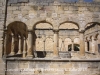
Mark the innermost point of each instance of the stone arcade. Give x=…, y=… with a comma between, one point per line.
x=50, y=37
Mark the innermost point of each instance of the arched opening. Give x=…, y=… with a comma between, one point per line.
x=43, y=30
x=68, y=25
x=70, y=30
x=16, y=33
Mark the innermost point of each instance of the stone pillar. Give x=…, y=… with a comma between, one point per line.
x=63, y=47
x=19, y=49
x=72, y=46
x=29, y=45
x=90, y=46
x=93, y=45
x=86, y=46
x=12, y=45
x=44, y=44
x=82, y=44
x=55, y=44
x=96, y=46
x=24, y=48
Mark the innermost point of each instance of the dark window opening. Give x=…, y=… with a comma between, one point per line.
x=99, y=48
x=88, y=46
x=76, y=47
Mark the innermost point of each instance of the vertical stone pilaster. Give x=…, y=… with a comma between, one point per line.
x=12, y=46
x=82, y=44
x=19, y=47
x=55, y=44
x=29, y=45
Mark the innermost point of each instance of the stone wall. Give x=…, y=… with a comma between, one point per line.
x=53, y=12
x=32, y=12
x=52, y=67
x=2, y=18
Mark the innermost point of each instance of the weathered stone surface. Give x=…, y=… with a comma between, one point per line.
x=52, y=15
x=59, y=67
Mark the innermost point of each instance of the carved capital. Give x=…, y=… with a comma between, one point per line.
x=55, y=30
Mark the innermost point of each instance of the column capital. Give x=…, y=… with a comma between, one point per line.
x=55, y=30
x=90, y=39
x=29, y=30
x=95, y=39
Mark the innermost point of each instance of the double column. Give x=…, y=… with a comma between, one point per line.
x=56, y=44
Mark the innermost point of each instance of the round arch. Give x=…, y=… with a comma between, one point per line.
x=91, y=24
x=18, y=29
x=70, y=22
x=43, y=21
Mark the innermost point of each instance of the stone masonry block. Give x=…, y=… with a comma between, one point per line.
x=16, y=12
x=95, y=16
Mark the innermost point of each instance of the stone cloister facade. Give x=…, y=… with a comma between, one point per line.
x=50, y=32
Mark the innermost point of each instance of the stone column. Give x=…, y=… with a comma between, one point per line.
x=63, y=47
x=12, y=45
x=55, y=44
x=29, y=45
x=24, y=48
x=72, y=46
x=19, y=47
x=82, y=44
x=96, y=46
x=90, y=46
x=86, y=46
x=93, y=45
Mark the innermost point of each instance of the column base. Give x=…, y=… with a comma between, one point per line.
x=72, y=51
x=12, y=53
x=24, y=54
x=19, y=52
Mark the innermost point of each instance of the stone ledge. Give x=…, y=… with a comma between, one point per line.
x=53, y=59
